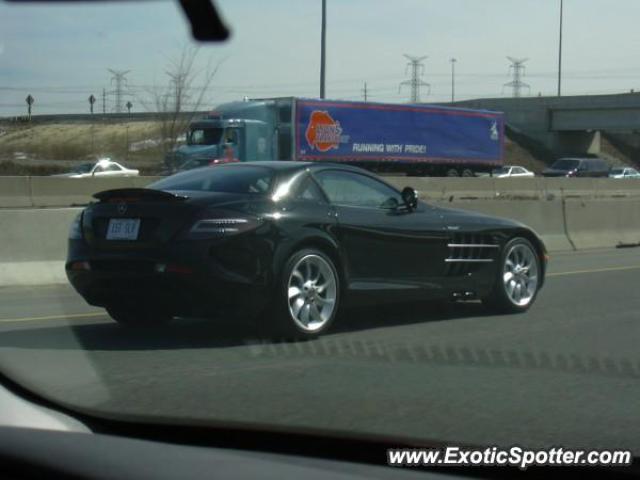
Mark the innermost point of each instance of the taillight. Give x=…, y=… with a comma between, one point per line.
x=217, y=224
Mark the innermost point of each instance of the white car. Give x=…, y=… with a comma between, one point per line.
x=624, y=172
x=102, y=168
x=509, y=171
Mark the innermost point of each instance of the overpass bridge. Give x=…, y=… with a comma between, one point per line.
x=569, y=124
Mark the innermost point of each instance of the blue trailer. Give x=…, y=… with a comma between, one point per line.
x=414, y=139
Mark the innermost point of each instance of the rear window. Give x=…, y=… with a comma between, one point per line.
x=223, y=178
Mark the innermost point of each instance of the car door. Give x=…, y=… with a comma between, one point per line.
x=385, y=245
x=99, y=171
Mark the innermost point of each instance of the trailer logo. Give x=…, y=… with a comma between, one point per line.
x=323, y=132
x=494, y=131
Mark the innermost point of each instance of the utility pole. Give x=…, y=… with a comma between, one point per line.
x=178, y=80
x=453, y=79
x=128, y=105
x=118, y=76
x=417, y=71
x=365, y=92
x=104, y=101
x=323, y=45
x=92, y=100
x=30, y=101
x=517, y=67
x=560, y=53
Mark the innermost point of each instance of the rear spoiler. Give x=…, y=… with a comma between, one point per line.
x=136, y=195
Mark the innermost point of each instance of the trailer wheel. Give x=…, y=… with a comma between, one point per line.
x=467, y=173
x=452, y=172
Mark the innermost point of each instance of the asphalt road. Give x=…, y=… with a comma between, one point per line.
x=565, y=373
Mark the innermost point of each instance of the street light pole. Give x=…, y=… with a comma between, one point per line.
x=453, y=79
x=560, y=53
x=323, y=42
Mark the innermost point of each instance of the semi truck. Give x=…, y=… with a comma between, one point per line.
x=398, y=138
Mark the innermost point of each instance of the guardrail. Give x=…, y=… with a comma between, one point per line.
x=42, y=192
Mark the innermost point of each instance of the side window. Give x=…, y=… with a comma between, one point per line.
x=231, y=136
x=112, y=167
x=99, y=169
x=309, y=190
x=197, y=137
x=353, y=189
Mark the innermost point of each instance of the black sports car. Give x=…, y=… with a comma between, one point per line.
x=290, y=243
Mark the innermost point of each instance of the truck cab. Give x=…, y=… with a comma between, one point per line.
x=236, y=131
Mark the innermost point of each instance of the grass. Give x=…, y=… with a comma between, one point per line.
x=55, y=146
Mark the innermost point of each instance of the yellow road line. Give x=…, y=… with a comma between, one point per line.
x=54, y=317
x=596, y=270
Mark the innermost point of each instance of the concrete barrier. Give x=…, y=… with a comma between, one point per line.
x=520, y=188
x=34, y=245
x=623, y=187
x=60, y=192
x=141, y=182
x=448, y=188
x=603, y=222
x=64, y=192
x=15, y=192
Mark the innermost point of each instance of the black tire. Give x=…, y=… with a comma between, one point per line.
x=467, y=173
x=499, y=300
x=137, y=317
x=281, y=322
x=452, y=172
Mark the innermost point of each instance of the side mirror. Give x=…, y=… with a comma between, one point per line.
x=410, y=198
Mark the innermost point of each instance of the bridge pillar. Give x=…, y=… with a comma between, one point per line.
x=577, y=143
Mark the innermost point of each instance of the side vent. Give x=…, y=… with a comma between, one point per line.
x=468, y=252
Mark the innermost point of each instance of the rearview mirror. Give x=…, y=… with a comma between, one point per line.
x=410, y=198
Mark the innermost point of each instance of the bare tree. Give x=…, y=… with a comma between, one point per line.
x=179, y=102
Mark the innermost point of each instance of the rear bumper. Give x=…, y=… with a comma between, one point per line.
x=184, y=280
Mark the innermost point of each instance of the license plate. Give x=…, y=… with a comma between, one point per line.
x=123, y=229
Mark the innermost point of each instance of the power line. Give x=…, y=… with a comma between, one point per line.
x=120, y=79
x=417, y=71
x=517, y=68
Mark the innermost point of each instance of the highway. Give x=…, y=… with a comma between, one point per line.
x=565, y=373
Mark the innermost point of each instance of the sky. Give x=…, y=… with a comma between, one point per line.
x=60, y=53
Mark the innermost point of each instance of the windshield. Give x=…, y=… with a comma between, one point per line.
x=204, y=136
x=220, y=278
x=227, y=178
x=566, y=164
